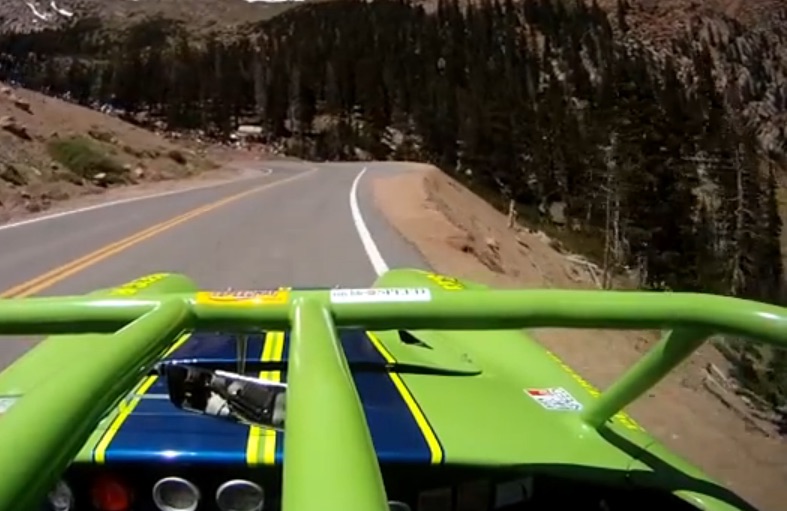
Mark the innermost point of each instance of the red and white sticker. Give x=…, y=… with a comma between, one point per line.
x=555, y=399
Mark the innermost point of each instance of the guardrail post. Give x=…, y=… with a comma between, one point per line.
x=673, y=349
x=329, y=460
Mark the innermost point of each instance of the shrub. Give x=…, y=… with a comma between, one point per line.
x=85, y=159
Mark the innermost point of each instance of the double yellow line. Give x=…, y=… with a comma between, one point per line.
x=60, y=273
x=271, y=352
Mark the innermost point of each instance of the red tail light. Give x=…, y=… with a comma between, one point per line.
x=110, y=494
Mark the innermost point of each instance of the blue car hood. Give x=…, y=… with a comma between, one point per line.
x=152, y=428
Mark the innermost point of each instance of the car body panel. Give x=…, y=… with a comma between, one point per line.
x=457, y=397
x=156, y=430
x=482, y=415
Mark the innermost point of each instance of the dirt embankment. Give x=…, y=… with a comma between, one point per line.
x=460, y=234
x=51, y=150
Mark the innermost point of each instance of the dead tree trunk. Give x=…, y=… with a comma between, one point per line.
x=737, y=277
x=612, y=217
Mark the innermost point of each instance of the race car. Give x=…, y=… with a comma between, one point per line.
x=420, y=393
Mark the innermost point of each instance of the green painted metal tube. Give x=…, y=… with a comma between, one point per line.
x=499, y=309
x=329, y=459
x=674, y=348
x=509, y=309
x=52, y=316
x=43, y=431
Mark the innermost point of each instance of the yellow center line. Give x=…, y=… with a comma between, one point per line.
x=52, y=277
x=60, y=273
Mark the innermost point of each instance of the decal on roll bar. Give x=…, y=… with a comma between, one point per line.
x=380, y=295
x=135, y=286
x=244, y=297
x=446, y=282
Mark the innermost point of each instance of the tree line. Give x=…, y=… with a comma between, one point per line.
x=539, y=102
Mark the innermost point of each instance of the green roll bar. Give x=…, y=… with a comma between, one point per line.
x=42, y=432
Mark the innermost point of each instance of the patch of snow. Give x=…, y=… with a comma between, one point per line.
x=36, y=12
x=62, y=12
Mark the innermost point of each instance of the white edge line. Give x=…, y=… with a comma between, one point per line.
x=378, y=263
x=68, y=212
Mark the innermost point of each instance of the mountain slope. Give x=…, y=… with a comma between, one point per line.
x=51, y=150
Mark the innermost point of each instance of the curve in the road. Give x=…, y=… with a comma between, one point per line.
x=42, y=280
x=52, y=277
x=375, y=257
x=305, y=234
x=118, y=202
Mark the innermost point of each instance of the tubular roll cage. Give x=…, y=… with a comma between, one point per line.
x=42, y=432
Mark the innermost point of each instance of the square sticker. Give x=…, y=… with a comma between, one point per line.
x=555, y=399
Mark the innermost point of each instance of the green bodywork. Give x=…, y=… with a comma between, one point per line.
x=102, y=344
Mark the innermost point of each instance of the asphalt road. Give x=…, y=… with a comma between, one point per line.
x=288, y=223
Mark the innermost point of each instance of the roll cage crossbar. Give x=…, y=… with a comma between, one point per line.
x=42, y=432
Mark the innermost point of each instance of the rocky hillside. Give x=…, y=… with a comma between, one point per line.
x=662, y=20
x=746, y=42
x=51, y=150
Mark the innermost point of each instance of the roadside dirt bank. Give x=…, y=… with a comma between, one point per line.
x=460, y=234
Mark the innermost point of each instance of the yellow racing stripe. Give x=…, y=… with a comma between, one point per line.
x=271, y=352
x=124, y=409
x=423, y=424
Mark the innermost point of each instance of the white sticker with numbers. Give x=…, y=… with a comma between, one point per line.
x=556, y=399
x=380, y=295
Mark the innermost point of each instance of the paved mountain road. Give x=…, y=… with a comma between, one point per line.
x=292, y=224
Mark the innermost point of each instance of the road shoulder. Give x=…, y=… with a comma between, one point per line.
x=242, y=167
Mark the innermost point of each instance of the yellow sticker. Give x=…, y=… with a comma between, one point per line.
x=135, y=286
x=244, y=297
x=446, y=282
